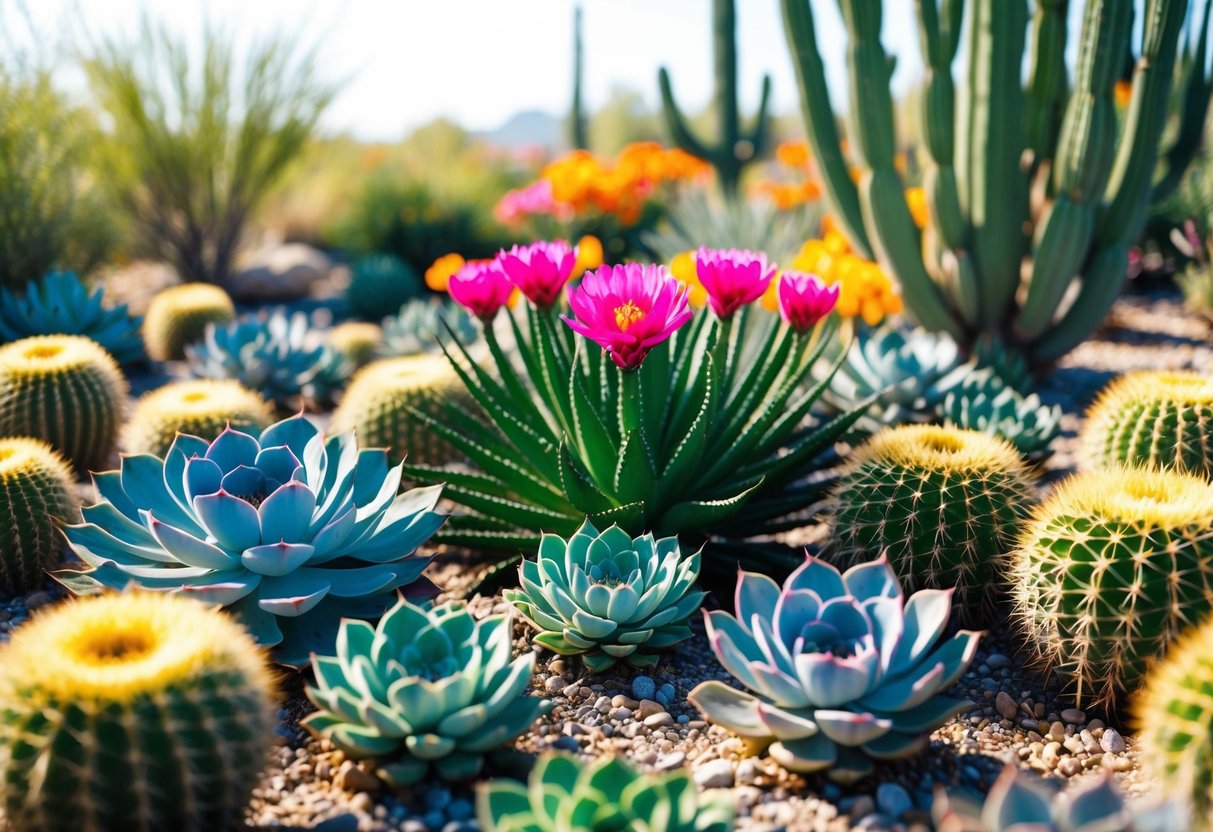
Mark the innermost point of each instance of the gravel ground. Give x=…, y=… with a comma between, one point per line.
x=1019, y=716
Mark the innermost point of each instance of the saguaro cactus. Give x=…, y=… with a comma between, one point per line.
x=1034, y=194
x=578, y=132
x=734, y=149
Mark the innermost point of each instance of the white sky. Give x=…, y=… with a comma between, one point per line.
x=480, y=61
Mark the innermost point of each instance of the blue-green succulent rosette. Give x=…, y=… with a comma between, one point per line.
x=841, y=669
x=290, y=531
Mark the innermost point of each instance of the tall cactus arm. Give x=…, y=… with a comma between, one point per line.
x=676, y=122
x=724, y=52
x=759, y=132
x=1101, y=283
x=1046, y=78
x=578, y=133
x=820, y=123
x=1197, y=90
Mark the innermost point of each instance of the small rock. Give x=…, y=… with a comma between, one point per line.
x=1069, y=766
x=621, y=701
x=644, y=688
x=659, y=720
x=1073, y=716
x=715, y=774
x=1005, y=705
x=863, y=806
x=668, y=762
x=554, y=684
x=557, y=667
x=748, y=772
x=648, y=707
x=621, y=714
x=1112, y=741
x=351, y=778
x=893, y=800
x=997, y=661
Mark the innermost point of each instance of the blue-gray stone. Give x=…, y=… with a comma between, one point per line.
x=434, y=820
x=644, y=688
x=893, y=800
x=460, y=809
x=437, y=798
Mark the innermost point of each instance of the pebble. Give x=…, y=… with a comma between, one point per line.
x=863, y=806
x=659, y=720
x=748, y=772
x=1073, y=716
x=352, y=778
x=621, y=701
x=648, y=707
x=1112, y=741
x=893, y=800
x=554, y=684
x=668, y=762
x=1005, y=705
x=714, y=774
x=644, y=688
x=998, y=661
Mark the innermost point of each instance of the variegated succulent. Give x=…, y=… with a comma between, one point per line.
x=420, y=326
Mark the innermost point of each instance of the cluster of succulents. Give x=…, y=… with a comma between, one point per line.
x=61, y=304
x=132, y=711
x=839, y=668
x=984, y=402
x=607, y=597
x=35, y=495
x=178, y=316
x=429, y=688
x=201, y=408
x=291, y=530
x=421, y=325
x=278, y=355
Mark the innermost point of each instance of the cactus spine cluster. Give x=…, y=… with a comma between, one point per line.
x=380, y=404
x=942, y=503
x=734, y=148
x=180, y=315
x=1021, y=181
x=201, y=408
x=1111, y=567
x=131, y=711
x=35, y=492
x=64, y=389
x=1157, y=418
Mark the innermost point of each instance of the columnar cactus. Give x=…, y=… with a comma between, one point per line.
x=1161, y=418
x=179, y=316
x=131, y=712
x=1109, y=570
x=35, y=493
x=66, y=390
x=381, y=403
x=200, y=408
x=942, y=503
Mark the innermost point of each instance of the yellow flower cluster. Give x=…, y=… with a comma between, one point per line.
x=866, y=291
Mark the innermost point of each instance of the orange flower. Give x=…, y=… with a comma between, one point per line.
x=589, y=255
x=1122, y=92
x=916, y=198
x=793, y=154
x=438, y=275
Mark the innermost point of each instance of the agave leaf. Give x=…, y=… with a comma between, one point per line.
x=520, y=514
x=688, y=452
x=597, y=449
x=577, y=487
x=634, y=474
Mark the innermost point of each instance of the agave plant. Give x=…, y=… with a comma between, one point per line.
x=608, y=597
x=291, y=530
x=278, y=355
x=419, y=324
x=1017, y=802
x=842, y=668
x=60, y=304
x=634, y=411
x=606, y=795
x=426, y=688
x=984, y=402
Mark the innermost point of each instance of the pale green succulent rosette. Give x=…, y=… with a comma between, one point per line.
x=842, y=668
x=420, y=326
x=428, y=688
x=607, y=596
x=605, y=795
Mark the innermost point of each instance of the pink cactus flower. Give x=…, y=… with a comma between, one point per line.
x=627, y=310
x=516, y=206
x=481, y=287
x=804, y=299
x=732, y=277
x=539, y=270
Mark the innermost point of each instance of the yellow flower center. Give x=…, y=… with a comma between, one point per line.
x=627, y=315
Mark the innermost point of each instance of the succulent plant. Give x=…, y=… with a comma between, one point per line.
x=66, y=390
x=291, y=530
x=429, y=687
x=1110, y=568
x=1162, y=418
x=605, y=795
x=1174, y=716
x=179, y=316
x=201, y=408
x=383, y=401
x=275, y=354
x=1019, y=802
x=60, y=304
x=984, y=402
x=380, y=283
x=35, y=494
x=420, y=325
x=357, y=342
x=842, y=667
x=608, y=597
x=943, y=504
x=131, y=711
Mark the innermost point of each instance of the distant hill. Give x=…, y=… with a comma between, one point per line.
x=527, y=129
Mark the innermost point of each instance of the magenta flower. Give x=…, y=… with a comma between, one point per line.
x=804, y=299
x=481, y=287
x=539, y=270
x=628, y=310
x=732, y=277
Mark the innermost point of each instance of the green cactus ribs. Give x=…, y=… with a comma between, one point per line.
x=35, y=493
x=200, y=408
x=179, y=316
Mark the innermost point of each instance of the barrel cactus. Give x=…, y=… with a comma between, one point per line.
x=1162, y=418
x=607, y=597
x=356, y=341
x=1111, y=567
x=131, y=711
x=1174, y=715
x=942, y=503
x=200, y=408
x=420, y=326
x=380, y=283
x=564, y=792
x=179, y=316
x=292, y=530
x=840, y=668
x=984, y=402
x=66, y=390
x=428, y=688
x=35, y=494
x=382, y=401
x=60, y=304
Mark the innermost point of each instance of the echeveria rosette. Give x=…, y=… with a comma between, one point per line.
x=732, y=278
x=605, y=795
x=429, y=687
x=608, y=597
x=842, y=667
x=290, y=530
x=539, y=270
